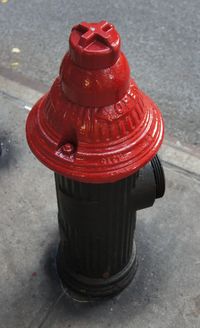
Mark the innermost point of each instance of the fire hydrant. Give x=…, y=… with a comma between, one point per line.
x=100, y=134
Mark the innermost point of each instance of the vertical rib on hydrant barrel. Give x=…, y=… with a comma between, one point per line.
x=100, y=134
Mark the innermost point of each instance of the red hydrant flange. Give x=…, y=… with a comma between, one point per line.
x=95, y=125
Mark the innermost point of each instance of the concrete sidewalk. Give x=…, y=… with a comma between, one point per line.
x=166, y=290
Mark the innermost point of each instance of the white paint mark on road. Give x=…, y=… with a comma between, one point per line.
x=15, y=50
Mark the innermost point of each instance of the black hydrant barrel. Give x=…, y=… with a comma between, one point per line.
x=96, y=255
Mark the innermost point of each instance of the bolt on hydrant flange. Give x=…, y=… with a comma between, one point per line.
x=100, y=134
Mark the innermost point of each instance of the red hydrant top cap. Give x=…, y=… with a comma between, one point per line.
x=95, y=125
x=94, y=45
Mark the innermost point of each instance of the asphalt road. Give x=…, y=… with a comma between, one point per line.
x=160, y=38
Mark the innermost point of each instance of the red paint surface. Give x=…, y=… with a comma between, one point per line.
x=95, y=125
x=94, y=45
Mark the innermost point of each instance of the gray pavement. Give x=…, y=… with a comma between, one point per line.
x=165, y=292
x=160, y=39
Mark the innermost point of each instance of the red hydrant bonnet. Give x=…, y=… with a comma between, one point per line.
x=95, y=125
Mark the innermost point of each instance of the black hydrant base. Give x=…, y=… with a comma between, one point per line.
x=96, y=288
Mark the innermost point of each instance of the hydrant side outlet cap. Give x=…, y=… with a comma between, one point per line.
x=95, y=125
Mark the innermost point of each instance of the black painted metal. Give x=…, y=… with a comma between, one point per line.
x=159, y=176
x=97, y=255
